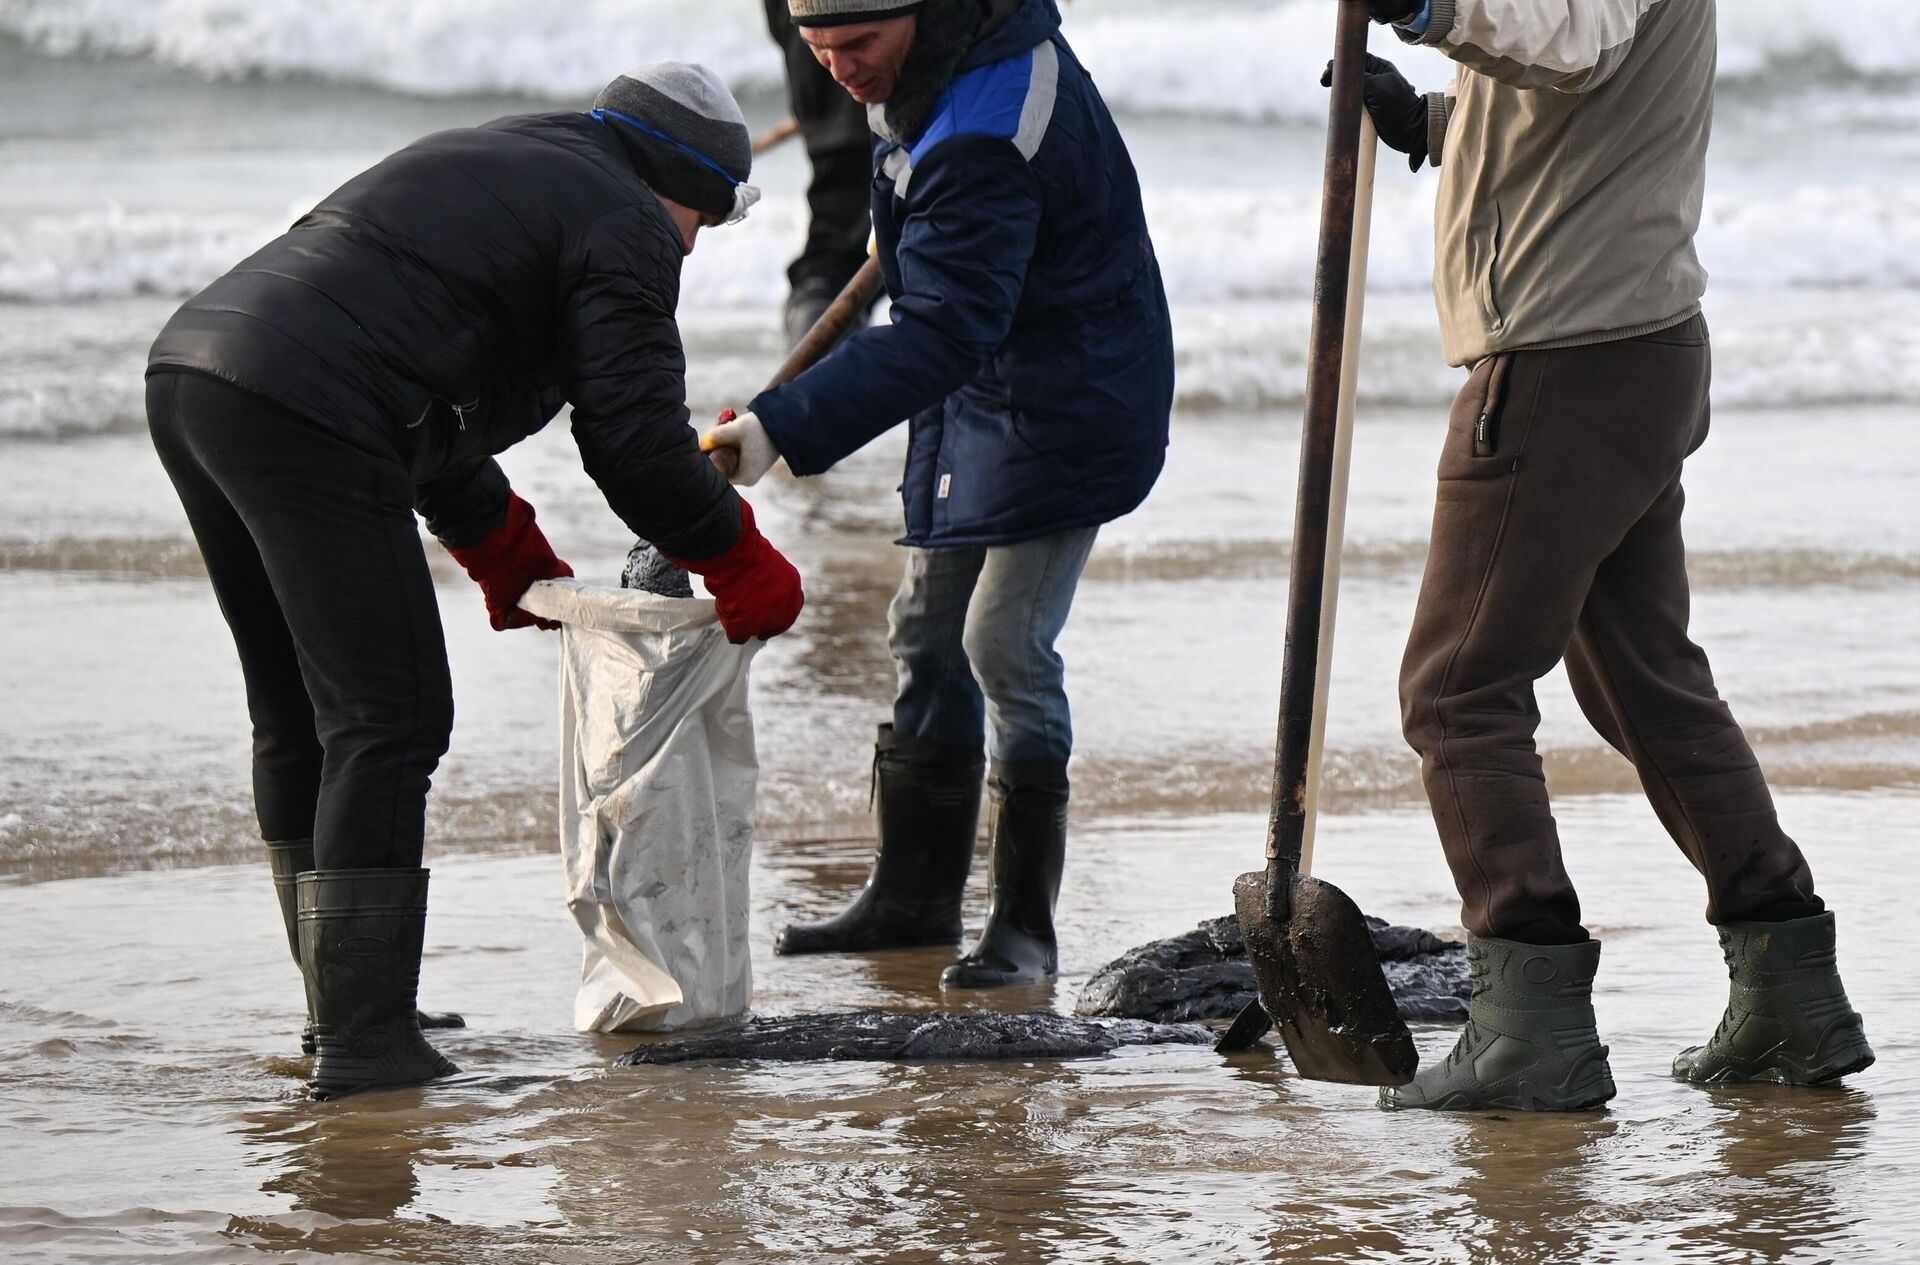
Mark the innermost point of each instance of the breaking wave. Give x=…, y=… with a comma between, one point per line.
x=1864, y=236
x=1240, y=58
x=428, y=47
x=1778, y=350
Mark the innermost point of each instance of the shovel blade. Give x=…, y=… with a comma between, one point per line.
x=1321, y=982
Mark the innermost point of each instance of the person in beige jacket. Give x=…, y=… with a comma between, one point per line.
x=1572, y=155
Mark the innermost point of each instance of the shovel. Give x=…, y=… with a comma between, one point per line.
x=840, y=319
x=1320, y=980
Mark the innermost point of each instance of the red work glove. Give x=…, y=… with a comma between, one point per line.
x=755, y=588
x=506, y=560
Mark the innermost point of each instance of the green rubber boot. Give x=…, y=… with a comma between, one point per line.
x=289, y=859
x=1530, y=1043
x=1788, y=1019
x=361, y=933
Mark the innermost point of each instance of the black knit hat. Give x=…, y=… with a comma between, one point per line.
x=847, y=12
x=691, y=133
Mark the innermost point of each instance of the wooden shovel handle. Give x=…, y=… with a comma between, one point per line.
x=725, y=458
x=1287, y=818
x=840, y=319
x=784, y=130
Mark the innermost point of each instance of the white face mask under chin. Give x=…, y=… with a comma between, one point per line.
x=744, y=196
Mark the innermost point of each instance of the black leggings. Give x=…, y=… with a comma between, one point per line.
x=311, y=544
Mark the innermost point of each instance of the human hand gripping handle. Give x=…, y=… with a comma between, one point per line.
x=740, y=448
x=755, y=589
x=1399, y=112
x=508, y=559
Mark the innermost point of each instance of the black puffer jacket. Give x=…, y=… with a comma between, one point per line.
x=446, y=302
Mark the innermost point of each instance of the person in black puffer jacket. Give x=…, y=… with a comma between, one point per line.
x=368, y=364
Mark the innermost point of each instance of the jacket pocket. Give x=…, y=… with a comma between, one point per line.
x=466, y=412
x=438, y=436
x=1489, y=289
x=1486, y=423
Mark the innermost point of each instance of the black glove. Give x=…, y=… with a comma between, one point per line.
x=1399, y=113
x=1393, y=10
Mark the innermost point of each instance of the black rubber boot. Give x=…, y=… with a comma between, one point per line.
x=290, y=858
x=929, y=797
x=1029, y=838
x=806, y=304
x=1530, y=1043
x=1788, y=1019
x=360, y=939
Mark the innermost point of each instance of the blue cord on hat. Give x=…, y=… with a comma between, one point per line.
x=744, y=194
x=602, y=113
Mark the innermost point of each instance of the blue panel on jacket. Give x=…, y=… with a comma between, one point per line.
x=986, y=102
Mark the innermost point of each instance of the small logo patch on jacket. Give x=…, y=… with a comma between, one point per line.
x=946, y=484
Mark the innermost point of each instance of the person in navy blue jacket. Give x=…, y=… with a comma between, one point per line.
x=1031, y=354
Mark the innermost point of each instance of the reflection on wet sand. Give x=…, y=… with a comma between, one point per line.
x=1773, y=1193
x=912, y=1163
x=541, y=1151
x=1528, y=1189
x=844, y=643
x=357, y=1165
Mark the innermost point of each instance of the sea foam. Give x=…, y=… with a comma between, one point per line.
x=1239, y=58
x=1865, y=236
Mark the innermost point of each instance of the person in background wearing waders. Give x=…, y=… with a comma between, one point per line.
x=1572, y=155
x=833, y=127
x=1030, y=347
x=428, y=314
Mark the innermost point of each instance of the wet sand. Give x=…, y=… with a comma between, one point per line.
x=153, y=1108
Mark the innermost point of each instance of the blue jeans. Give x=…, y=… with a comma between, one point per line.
x=972, y=631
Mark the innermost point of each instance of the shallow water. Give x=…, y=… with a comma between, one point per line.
x=153, y=1111
x=149, y=1106
x=1810, y=615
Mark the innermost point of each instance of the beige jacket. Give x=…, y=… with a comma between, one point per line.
x=1573, y=160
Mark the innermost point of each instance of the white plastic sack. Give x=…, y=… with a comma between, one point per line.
x=657, y=775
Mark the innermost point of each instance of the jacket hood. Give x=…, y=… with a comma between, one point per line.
x=1010, y=28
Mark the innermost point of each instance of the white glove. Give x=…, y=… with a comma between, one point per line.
x=752, y=452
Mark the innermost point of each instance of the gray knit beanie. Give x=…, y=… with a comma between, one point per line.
x=689, y=130
x=847, y=12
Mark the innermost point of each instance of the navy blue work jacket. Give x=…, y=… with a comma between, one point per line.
x=1029, y=342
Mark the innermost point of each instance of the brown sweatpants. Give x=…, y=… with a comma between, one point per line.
x=1556, y=534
